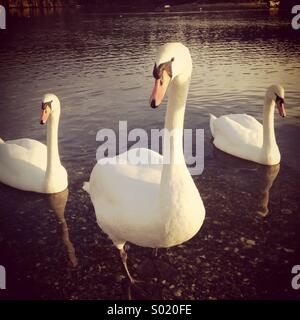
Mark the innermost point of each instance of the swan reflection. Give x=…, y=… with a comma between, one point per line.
x=58, y=203
x=268, y=175
x=254, y=178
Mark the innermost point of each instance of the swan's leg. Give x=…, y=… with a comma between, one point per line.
x=124, y=257
x=155, y=252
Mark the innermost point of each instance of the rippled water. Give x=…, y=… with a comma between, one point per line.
x=100, y=66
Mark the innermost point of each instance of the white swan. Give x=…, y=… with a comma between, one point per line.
x=28, y=164
x=243, y=136
x=154, y=205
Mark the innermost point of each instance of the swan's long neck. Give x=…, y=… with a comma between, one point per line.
x=53, y=160
x=174, y=121
x=269, y=140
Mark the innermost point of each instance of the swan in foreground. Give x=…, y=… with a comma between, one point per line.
x=243, y=136
x=157, y=204
x=28, y=164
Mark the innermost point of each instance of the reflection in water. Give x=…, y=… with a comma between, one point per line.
x=58, y=203
x=273, y=11
x=248, y=177
x=34, y=12
x=268, y=175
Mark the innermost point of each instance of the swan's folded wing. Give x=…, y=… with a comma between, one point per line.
x=246, y=121
x=24, y=150
x=28, y=144
x=126, y=185
x=238, y=130
x=23, y=168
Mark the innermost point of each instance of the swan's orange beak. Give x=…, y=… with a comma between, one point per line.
x=45, y=114
x=280, y=107
x=159, y=90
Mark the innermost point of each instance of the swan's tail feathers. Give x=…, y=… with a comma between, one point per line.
x=1, y=141
x=86, y=187
x=211, y=123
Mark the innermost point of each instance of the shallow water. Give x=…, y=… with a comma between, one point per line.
x=100, y=66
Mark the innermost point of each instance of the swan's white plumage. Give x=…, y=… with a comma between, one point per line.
x=239, y=129
x=125, y=199
x=86, y=187
x=242, y=135
x=23, y=165
x=151, y=205
x=212, y=118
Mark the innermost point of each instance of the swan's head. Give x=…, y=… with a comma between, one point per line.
x=172, y=60
x=276, y=94
x=50, y=105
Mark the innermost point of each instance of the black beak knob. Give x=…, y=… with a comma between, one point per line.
x=153, y=105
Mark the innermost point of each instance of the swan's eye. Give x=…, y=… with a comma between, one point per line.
x=166, y=66
x=47, y=104
x=161, y=81
x=279, y=99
